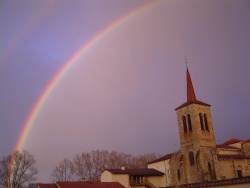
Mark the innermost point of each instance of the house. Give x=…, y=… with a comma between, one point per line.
x=81, y=184
x=199, y=159
x=162, y=164
x=145, y=177
x=234, y=159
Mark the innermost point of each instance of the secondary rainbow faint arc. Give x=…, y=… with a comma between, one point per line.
x=40, y=13
x=71, y=61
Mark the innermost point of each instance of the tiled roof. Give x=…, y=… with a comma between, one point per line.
x=192, y=102
x=47, y=185
x=246, y=141
x=88, y=184
x=226, y=147
x=233, y=156
x=163, y=158
x=235, y=181
x=232, y=141
x=137, y=171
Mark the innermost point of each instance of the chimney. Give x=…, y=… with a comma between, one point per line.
x=122, y=167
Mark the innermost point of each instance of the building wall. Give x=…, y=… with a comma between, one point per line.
x=163, y=166
x=229, y=167
x=157, y=181
x=106, y=176
x=245, y=185
x=223, y=151
x=226, y=169
x=196, y=161
x=237, y=145
x=121, y=178
x=246, y=147
x=197, y=135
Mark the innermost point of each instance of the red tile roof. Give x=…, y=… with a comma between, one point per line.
x=235, y=181
x=47, y=185
x=163, y=158
x=235, y=140
x=232, y=141
x=137, y=172
x=233, y=156
x=226, y=147
x=88, y=184
x=192, y=102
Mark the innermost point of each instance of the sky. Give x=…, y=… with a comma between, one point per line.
x=121, y=92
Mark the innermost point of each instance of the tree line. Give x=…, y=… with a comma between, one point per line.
x=90, y=165
x=19, y=170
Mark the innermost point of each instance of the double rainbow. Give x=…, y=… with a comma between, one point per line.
x=71, y=62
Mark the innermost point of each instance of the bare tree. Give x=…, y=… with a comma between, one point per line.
x=142, y=160
x=64, y=171
x=18, y=170
x=90, y=165
x=83, y=166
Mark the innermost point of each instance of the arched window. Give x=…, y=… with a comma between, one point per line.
x=206, y=124
x=179, y=174
x=189, y=123
x=209, y=169
x=184, y=124
x=197, y=158
x=191, y=158
x=182, y=161
x=239, y=172
x=201, y=122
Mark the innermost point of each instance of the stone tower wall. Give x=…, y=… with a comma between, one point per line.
x=197, y=135
x=199, y=170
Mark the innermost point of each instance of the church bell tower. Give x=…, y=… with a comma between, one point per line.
x=197, y=140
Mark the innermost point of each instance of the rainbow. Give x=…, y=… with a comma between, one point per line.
x=72, y=61
x=28, y=26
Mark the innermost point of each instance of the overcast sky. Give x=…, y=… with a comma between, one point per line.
x=121, y=94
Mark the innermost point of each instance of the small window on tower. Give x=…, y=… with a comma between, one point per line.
x=191, y=158
x=201, y=122
x=184, y=124
x=206, y=124
x=179, y=174
x=189, y=122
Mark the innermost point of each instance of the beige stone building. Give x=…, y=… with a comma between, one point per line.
x=199, y=159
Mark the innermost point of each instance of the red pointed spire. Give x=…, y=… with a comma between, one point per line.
x=190, y=88
x=191, y=98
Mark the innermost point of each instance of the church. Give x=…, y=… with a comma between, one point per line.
x=198, y=162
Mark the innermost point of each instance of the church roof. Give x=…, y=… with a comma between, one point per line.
x=192, y=102
x=137, y=171
x=218, y=183
x=222, y=146
x=163, y=158
x=232, y=157
x=235, y=140
x=191, y=98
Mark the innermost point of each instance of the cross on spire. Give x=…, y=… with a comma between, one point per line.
x=186, y=61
